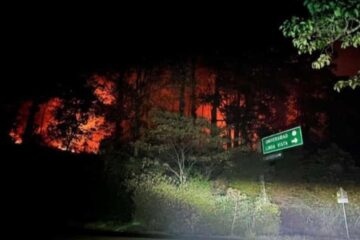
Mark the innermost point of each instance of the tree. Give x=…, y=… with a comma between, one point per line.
x=329, y=22
x=69, y=117
x=179, y=144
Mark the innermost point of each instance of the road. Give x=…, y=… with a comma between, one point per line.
x=85, y=237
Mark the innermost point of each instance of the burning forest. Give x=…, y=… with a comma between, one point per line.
x=243, y=103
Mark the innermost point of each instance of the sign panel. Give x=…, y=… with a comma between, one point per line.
x=342, y=196
x=282, y=140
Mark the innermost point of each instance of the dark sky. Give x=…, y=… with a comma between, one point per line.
x=137, y=29
x=58, y=43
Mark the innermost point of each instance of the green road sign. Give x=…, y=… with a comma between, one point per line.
x=282, y=140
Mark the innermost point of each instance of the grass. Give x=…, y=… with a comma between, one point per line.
x=191, y=238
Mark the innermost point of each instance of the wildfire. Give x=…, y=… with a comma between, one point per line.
x=21, y=121
x=84, y=135
x=65, y=125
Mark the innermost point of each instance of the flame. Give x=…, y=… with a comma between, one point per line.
x=17, y=132
x=104, y=89
x=46, y=115
x=94, y=131
x=46, y=118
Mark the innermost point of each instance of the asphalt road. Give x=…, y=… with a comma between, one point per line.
x=85, y=237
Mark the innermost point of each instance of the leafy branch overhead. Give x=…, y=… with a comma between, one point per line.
x=328, y=22
x=353, y=82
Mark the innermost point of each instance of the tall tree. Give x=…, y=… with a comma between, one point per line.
x=193, y=87
x=140, y=93
x=69, y=116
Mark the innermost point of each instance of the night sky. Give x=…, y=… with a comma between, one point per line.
x=59, y=45
x=72, y=41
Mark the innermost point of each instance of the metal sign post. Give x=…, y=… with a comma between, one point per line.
x=342, y=198
x=263, y=189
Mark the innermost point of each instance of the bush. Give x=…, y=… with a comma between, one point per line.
x=252, y=216
x=331, y=165
x=160, y=205
x=267, y=218
x=220, y=186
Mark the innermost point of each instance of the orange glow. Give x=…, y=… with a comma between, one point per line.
x=166, y=98
x=204, y=111
x=254, y=140
x=17, y=132
x=292, y=113
x=261, y=116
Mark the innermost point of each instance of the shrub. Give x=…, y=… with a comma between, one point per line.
x=160, y=205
